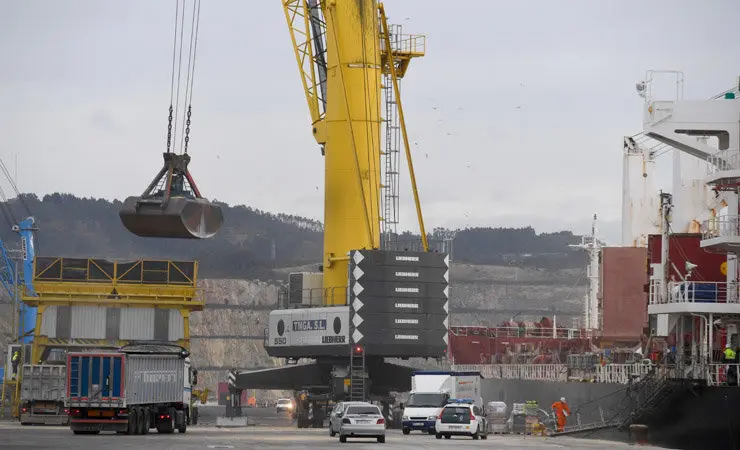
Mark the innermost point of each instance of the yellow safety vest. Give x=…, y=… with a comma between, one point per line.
x=15, y=356
x=729, y=353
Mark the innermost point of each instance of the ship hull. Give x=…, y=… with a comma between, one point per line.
x=698, y=418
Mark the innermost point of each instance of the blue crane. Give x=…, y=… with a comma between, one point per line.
x=25, y=229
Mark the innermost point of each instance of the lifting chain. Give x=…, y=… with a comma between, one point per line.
x=169, y=130
x=187, y=130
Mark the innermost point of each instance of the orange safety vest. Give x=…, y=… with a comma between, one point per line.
x=559, y=407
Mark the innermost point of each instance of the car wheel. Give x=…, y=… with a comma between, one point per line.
x=381, y=439
x=332, y=433
x=438, y=436
x=447, y=436
x=406, y=431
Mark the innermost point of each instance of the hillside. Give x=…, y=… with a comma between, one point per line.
x=252, y=243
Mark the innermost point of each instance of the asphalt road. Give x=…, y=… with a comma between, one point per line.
x=270, y=432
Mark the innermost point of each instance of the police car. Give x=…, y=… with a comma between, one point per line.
x=461, y=417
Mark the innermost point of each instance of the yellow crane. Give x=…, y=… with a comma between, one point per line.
x=343, y=47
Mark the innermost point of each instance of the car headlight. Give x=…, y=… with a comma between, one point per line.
x=405, y=418
x=432, y=418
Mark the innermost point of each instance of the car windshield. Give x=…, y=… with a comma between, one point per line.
x=431, y=400
x=369, y=409
x=283, y=401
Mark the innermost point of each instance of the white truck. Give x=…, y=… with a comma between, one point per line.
x=42, y=394
x=431, y=390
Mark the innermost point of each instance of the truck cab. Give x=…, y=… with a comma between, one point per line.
x=421, y=411
x=430, y=392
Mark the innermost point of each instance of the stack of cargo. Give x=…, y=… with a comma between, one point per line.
x=518, y=418
x=531, y=410
x=496, y=413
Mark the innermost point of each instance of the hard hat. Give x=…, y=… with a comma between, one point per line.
x=562, y=399
x=727, y=345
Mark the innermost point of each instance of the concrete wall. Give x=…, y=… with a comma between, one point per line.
x=583, y=398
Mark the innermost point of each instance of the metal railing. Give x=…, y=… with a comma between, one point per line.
x=721, y=375
x=312, y=298
x=722, y=161
x=715, y=374
x=721, y=226
x=694, y=292
x=406, y=43
x=621, y=373
x=538, y=372
x=521, y=332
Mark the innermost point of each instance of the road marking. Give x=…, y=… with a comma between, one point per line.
x=220, y=446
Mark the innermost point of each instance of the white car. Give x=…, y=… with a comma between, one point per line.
x=362, y=421
x=284, y=405
x=461, y=419
x=335, y=419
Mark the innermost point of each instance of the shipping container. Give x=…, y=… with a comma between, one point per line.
x=623, y=296
x=42, y=394
x=143, y=387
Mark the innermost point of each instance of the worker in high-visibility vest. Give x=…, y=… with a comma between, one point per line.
x=14, y=361
x=731, y=359
x=562, y=411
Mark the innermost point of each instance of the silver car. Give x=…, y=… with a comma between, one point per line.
x=335, y=418
x=362, y=421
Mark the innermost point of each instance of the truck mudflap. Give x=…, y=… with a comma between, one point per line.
x=97, y=425
x=44, y=419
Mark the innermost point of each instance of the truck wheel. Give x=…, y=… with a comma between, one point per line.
x=381, y=439
x=438, y=436
x=140, y=423
x=146, y=421
x=133, y=419
x=342, y=439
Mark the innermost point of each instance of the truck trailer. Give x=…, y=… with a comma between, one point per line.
x=130, y=391
x=42, y=394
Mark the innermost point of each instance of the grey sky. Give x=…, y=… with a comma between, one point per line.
x=85, y=91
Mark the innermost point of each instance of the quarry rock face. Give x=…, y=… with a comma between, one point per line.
x=230, y=331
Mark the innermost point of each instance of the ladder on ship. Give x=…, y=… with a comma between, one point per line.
x=357, y=374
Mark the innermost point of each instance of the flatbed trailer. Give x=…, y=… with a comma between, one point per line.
x=130, y=392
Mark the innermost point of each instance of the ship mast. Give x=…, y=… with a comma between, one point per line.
x=591, y=307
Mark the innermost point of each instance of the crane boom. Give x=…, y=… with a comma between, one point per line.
x=349, y=127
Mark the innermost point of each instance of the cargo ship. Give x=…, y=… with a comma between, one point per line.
x=660, y=309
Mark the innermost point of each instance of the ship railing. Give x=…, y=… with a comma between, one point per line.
x=722, y=375
x=722, y=161
x=521, y=332
x=621, y=373
x=694, y=292
x=537, y=372
x=721, y=226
